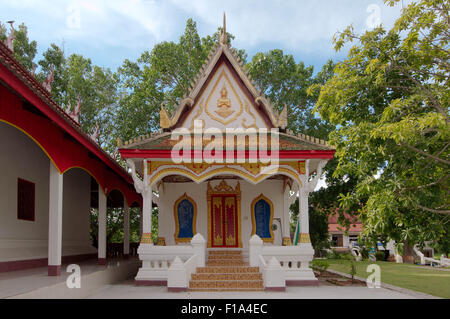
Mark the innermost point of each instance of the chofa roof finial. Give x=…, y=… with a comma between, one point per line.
x=223, y=36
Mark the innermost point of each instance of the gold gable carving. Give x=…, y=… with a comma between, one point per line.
x=222, y=102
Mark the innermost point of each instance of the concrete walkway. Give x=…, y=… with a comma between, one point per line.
x=35, y=283
x=128, y=290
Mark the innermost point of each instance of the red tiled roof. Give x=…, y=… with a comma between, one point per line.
x=334, y=226
x=333, y=219
x=337, y=227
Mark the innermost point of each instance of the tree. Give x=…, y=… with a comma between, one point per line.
x=76, y=77
x=24, y=49
x=114, y=223
x=389, y=102
x=286, y=82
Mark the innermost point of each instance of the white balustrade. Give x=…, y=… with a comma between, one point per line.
x=179, y=273
x=290, y=261
x=157, y=260
x=272, y=273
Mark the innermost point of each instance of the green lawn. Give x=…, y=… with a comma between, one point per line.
x=419, y=278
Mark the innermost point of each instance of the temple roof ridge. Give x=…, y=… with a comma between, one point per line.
x=222, y=47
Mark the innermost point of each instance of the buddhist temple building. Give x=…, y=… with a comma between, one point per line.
x=224, y=171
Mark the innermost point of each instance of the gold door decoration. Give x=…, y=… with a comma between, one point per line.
x=217, y=221
x=224, y=215
x=229, y=210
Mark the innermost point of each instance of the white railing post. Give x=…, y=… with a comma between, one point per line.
x=199, y=246
x=176, y=275
x=255, y=250
x=274, y=277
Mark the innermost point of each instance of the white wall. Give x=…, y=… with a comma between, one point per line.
x=76, y=213
x=272, y=189
x=19, y=239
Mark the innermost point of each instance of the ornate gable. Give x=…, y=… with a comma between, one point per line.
x=223, y=96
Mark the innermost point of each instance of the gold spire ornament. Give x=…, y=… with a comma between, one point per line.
x=282, y=120
x=164, y=120
x=223, y=36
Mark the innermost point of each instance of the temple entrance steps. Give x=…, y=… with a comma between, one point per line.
x=226, y=271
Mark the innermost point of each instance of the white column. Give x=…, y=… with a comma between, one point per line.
x=144, y=188
x=101, y=227
x=140, y=222
x=126, y=229
x=286, y=218
x=147, y=217
x=55, y=221
x=305, y=188
x=304, y=213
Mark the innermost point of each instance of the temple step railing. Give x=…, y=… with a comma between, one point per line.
x=157, y=261
x=290, y=262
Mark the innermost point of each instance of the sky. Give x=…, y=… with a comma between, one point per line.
x=110, y=31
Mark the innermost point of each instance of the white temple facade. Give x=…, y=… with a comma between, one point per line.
x=224, y=171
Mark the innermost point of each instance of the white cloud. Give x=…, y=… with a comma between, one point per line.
x=292, y=23
x=302, y=28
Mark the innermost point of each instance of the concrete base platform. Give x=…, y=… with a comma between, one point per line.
x=128, y=290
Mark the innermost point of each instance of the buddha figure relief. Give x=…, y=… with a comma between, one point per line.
x=224, y=104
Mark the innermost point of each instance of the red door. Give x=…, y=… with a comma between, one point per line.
x=224, y=221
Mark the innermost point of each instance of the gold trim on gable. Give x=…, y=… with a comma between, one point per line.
x=225, y=170
x=253, y=125
x=199, y=112
x=253, y=168
x=210, y=114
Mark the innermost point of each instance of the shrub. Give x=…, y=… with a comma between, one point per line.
x=364, y=253
x=380, y=255
x=320, y=265
x=347, y=256
x=334, y=254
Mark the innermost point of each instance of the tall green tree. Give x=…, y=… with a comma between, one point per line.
x=24, y=49
x=76, y=77
x=286, y=82
x=389, y=101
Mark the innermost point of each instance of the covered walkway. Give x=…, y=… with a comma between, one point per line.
x=35, y=283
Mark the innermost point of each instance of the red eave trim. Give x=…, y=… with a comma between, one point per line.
x=17, y=85
x=284, y=154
